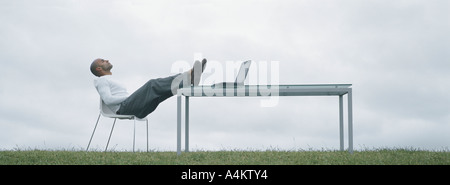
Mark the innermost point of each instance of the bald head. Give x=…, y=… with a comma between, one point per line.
x=101, y=67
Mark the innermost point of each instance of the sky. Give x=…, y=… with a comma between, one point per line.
x=395, y=53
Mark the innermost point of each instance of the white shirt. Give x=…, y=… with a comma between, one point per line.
x=111, y=92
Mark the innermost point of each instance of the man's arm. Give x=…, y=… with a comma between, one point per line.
x=104, y=91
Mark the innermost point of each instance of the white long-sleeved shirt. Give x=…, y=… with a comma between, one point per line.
x=111, y=92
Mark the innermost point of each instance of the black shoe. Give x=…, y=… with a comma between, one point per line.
x=196, y=73
x=203, y=64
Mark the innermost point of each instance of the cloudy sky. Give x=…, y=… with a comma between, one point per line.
x=394, y=52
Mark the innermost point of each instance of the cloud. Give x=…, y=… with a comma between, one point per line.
x=394, y=53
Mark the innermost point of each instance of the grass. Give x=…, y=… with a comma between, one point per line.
x=367, y=157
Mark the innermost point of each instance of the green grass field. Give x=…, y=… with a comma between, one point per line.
x=369, y=157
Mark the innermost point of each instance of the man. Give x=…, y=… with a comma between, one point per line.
x=145, y=100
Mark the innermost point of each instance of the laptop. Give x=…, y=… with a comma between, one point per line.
x=240, y=78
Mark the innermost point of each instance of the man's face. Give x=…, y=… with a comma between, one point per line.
x=104, y=64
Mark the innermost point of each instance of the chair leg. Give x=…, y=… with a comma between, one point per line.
x=147, y=135
x=134, y=133
x=110, y=134
x=93, y=132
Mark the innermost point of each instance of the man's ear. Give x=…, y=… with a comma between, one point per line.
x=99, y=71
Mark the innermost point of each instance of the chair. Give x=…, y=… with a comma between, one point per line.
x=107, y=112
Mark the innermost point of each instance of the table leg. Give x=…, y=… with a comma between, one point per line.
x=341, y=122
x=350, y=121
x=186, y=140
x=178, y=125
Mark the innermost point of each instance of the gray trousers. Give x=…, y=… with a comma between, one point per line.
x=145, y=100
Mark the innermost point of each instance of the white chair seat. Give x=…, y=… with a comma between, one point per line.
x=107, y=112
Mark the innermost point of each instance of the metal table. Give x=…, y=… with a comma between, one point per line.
x=268, y=90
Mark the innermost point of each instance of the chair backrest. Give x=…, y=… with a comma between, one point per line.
x=104, y=109
x=107, y=112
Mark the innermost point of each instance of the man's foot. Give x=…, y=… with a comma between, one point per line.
x=197, y=71
x=203, y=64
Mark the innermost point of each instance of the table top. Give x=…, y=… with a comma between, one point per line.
x=268, y=90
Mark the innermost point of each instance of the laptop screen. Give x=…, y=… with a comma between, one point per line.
x=243, y=71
